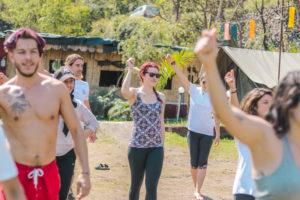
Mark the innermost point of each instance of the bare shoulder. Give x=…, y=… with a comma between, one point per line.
x=162, y=96
x=52, y=84
x=10, y=84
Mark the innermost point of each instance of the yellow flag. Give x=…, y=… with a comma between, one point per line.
x=252, y=29
x=291, y=17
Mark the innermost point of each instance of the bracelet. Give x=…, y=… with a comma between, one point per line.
x=173, y=63
x=85, y=173
x=233, y=91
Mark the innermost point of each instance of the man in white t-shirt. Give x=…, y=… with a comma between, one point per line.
x=8, y=173
x=81, y=91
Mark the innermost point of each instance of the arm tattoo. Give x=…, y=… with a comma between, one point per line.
x=20, y=103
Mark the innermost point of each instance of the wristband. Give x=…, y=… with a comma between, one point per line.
x=85, y=173
x=173, y=63
x=233, y=91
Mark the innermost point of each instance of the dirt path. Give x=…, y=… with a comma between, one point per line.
x=175, y=182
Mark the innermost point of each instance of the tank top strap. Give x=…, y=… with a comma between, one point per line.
x=287, y=151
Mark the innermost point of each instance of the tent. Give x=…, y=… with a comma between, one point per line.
x=255, y=68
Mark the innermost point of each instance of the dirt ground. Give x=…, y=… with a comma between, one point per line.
x=175, y=182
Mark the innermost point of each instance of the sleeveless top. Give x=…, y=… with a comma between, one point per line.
x=147, y=124
x=284, y=183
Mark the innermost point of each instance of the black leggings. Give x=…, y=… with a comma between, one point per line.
x=65, y=166
x=141, y=161
x=199, y=145
x=243, y=197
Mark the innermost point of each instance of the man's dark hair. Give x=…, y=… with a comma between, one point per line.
x=24, y=33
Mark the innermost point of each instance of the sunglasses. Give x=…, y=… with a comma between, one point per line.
x=151, y=74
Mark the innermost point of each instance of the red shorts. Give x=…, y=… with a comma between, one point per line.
x=39, y=183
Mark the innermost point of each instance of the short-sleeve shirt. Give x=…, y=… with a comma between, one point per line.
x=200, y=118
x=8, y=169
x=81, y=90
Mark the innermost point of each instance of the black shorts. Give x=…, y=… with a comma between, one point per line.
x=199, y=145
x=243, y=197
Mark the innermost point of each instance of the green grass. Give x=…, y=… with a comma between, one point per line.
x=107, y=140
x=225, y=151
x=173, y=121
x=175, y=139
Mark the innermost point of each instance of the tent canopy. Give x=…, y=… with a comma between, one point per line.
x=262, y=66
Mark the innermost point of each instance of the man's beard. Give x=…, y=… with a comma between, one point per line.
x=26, y=75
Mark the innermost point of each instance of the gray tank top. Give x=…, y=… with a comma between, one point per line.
x=284, y=183
x=147, y=130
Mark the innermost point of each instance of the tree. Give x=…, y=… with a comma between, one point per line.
x=64, y=17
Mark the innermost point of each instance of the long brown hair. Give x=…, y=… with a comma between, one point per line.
x=143, y=71
x=287, y=97
x=249, y=103
x=72, y=58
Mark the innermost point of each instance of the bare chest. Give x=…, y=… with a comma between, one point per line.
x=20, y=105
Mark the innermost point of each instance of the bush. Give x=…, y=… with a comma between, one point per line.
x=102, y=101
x=120, y=111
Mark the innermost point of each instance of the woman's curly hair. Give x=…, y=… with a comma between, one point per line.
x=249, y=102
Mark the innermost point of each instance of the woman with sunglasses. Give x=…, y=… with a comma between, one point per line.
x=145, y=151
x=274, y=143
x=256, y=102
x=200, y=127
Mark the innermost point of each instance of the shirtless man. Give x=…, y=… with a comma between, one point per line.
x=30, y=104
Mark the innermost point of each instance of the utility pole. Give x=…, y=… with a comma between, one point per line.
x=281, y=35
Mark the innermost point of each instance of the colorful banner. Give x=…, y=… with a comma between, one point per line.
x=233, y=32
x=291, y=17
x=226, y=32
x=252, y=29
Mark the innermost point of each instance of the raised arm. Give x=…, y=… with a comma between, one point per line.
x=70, y=118
x=248, y=129
x=127, y=91
x=230, y=80
x=183, y=79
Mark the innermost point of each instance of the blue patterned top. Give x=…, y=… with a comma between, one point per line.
x=147, y=124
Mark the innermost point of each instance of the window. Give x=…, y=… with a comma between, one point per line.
x=108, y=78
x=169, y=84
x=62, y=63
x=51, y=62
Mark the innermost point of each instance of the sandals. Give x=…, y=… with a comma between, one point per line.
x=102, y=167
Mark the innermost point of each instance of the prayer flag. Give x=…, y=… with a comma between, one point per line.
x=291, y=17
x=226, y=32
x=252, y=29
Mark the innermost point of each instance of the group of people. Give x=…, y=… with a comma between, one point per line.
x=45, y=135
x=265, y=127
x=43, y=117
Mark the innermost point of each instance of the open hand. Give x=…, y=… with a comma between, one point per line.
x=206, y=47
x=230, y=79
x=217, y=141
x=92, y=138
x=83, y=185
x=3, y=78
x=169, y=58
